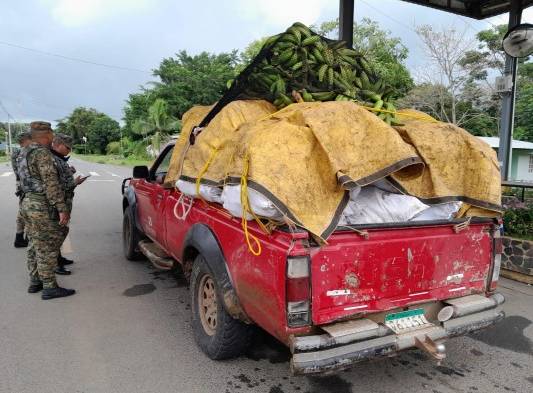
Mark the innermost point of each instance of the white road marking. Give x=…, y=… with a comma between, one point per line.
x=6, y=174
x=101, y=180
x=112, y=174
x=94, y=174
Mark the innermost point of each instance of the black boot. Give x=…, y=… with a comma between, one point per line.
x=62, y=271
x=20, y=241
x=52, y=293
x=62, y=261
x=35, y=287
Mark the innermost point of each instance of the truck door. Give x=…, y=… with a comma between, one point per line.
x=153, y=195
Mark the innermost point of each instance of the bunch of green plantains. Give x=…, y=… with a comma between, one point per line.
x=302, y=66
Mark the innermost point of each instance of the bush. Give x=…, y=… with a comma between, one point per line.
x=139, y=150
x=518, y=221
x=78, y=148
x=113, y=148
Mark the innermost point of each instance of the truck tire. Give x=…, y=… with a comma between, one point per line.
x=130, y=236
x=218, y=335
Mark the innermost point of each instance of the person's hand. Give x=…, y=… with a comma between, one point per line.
x=64, y=218
x=80, y=179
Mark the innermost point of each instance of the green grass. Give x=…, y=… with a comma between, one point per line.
x=113, y=159
x=4, y=158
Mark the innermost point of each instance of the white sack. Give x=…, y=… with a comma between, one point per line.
x=209, y=193
x=260, y=205
x=443, y=211
x=385, y=185
x=375, y=206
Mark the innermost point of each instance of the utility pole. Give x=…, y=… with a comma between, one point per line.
x=508, y=99
x=8, y=136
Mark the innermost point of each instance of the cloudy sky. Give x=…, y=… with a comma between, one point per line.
x=118, y=42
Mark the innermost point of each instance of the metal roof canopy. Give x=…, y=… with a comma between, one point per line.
x=477, y=9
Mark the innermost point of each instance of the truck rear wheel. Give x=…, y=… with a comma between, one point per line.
x=130, y=236
x=217, y=333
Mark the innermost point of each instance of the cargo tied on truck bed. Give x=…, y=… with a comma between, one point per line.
x=342, y=236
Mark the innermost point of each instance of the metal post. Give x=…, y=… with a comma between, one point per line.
x=346, y=14
x=8, y=136
x=508, y=100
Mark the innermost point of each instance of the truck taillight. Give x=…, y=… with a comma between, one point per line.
x=497, y=260
x=298, y=291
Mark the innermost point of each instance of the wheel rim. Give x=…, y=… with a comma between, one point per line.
x=207, y=304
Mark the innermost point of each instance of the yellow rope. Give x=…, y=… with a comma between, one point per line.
x=247, y=209
x=204, y=170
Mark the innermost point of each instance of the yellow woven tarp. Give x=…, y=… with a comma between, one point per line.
x=457, y=164
x=305, y=156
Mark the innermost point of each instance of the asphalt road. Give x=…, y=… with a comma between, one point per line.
x=127, y=329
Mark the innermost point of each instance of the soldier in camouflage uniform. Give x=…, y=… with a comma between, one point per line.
x=44, y=210
x=23, y=139
x=61, y=147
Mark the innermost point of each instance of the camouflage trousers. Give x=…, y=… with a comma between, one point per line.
x=20, y=219
x=46, y=236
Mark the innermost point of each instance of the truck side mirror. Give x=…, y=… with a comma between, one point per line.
x=140, y=172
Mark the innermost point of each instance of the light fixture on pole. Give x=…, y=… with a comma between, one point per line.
x=84, y=139
x=518, y=42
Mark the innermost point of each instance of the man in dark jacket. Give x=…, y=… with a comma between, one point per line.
x=23, y=139
x=61, y=147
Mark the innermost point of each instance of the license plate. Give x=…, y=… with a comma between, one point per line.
x=401, y=322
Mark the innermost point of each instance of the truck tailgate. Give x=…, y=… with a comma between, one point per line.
x=396, y=267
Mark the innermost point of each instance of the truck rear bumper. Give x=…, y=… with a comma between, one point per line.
x=337, y=353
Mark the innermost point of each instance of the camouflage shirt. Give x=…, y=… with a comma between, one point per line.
x=41, y=170
x=66, y=178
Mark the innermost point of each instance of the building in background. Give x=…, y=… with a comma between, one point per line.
x=522, y=158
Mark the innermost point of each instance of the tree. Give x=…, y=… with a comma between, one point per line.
x=489, y=58
x=387, y=54
x=136, y=108
x=524, y=113
x=445, y=50
x=248, y=54
x=472, y=112
x=193, y=80
x=77, y=123
x=101, y=132
x=184, y=81
x=157, y=124
x=97, y=127
x=16, y=129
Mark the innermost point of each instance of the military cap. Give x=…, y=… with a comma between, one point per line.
x=23, y=136
x=40, y=126
x=62, y=139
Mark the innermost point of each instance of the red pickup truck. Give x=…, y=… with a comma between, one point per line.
x=370, y=292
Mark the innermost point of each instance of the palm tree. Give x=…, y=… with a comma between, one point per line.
x=157, y=125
